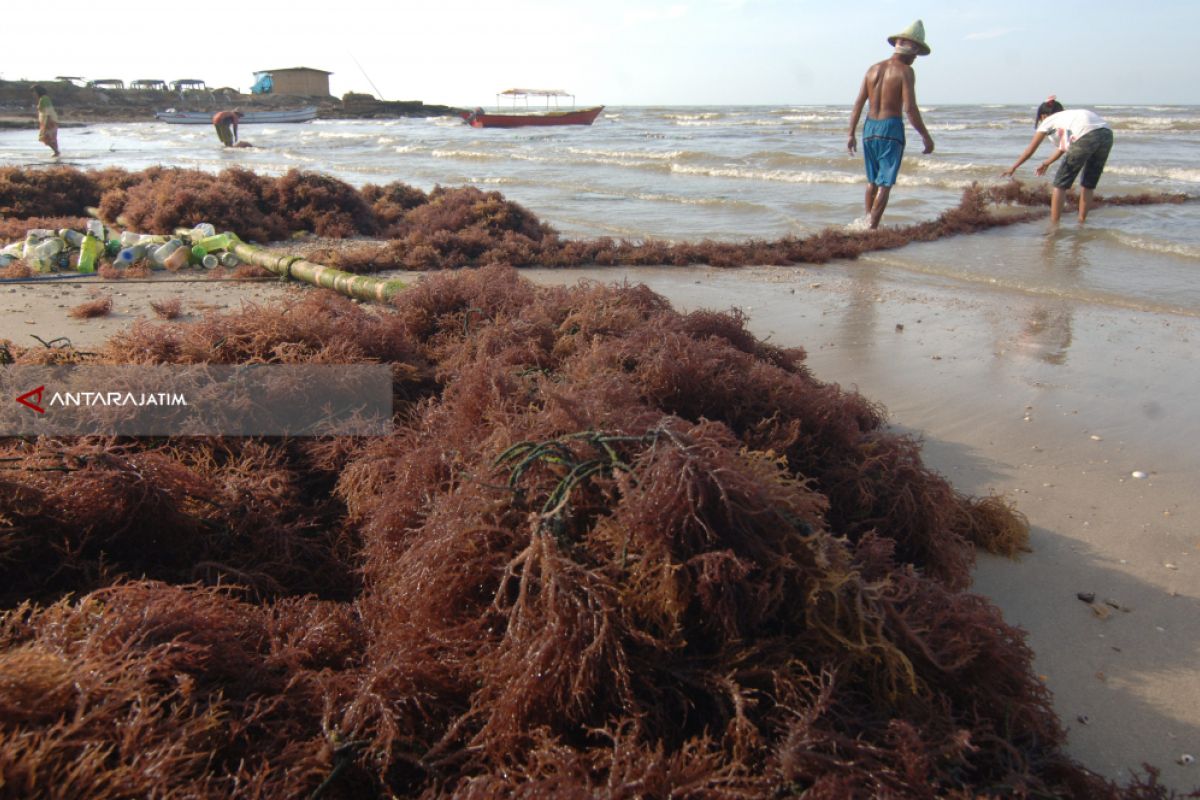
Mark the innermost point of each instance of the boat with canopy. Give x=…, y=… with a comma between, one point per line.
x=515, y=115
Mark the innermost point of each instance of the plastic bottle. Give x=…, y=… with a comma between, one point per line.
x=198, y=253
x=45, y=255
x=203, y=230
x=129, y=255
x=32, y=240
x=96, y=228
x=73, y=238
x=159, y=254
x=221, y=241
x=178, y=259
x=129, y=238
x=89, y=251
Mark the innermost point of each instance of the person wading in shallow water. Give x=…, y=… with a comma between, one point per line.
x=226, y=123
x=47, y=120
x=1083, y=137
x=891, y=88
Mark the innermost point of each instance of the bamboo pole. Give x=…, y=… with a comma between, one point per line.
x=362, y=287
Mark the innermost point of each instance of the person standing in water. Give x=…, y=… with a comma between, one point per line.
x=1083, y=137
x=47, y=120
x=226, y=124
x=890, y=87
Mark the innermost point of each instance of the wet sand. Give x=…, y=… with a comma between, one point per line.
x=1055, y=405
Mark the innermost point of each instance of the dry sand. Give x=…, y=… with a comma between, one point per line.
x=1054, y=404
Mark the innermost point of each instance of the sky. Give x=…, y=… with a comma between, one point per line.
x=620, y=52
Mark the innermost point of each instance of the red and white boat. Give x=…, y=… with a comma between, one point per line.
x=515, y=116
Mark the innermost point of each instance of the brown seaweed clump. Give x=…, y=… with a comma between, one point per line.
x=165, y=199
x=97, y=307
x=167, y=308
x=609, y=549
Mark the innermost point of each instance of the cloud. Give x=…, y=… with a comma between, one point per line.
x=992, y=34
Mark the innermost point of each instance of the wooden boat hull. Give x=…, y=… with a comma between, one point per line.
x=582, y=116
x=248, y=118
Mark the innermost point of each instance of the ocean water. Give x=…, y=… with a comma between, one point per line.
x=736, y=173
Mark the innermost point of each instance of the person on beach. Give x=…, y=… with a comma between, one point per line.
x=891, y=88
x=47, y=120
x=1083, y=137
x=226, y=123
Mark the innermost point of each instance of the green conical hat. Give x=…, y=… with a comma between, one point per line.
x=914, y=33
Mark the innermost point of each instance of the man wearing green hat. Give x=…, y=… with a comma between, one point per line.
x=890, y=86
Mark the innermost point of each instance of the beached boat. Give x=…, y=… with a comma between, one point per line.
x=248, y=117
x=518, y=117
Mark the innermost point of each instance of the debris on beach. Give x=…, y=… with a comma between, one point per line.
x=99, y=307
x=610, y=549
x=167, y=308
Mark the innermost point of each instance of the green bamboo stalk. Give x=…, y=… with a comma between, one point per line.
x=362, y=287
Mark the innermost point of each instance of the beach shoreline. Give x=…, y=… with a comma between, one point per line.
x=1054, y=413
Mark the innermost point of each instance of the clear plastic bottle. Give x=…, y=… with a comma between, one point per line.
x=202, y=230
x=129, y=238
x=129, y=255
x=45, y=254
x=160, y=253
x=96, y=228
x=73, y=238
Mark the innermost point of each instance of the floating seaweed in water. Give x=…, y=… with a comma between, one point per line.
x=456, y=227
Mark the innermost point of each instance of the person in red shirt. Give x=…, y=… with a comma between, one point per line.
x=226, y=123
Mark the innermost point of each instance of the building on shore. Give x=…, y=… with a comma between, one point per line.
x=302, y=81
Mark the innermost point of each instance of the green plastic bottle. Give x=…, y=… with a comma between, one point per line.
x=222, y=241
x=89, y=250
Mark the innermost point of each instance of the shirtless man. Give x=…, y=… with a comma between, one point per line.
x=226, y=123
x=891, y=87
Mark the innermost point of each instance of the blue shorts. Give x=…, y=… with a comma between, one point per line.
x=883, y=149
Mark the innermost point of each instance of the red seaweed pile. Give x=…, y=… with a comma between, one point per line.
x=445, y=229
x=609, y=550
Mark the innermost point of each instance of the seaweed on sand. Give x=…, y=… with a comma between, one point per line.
x=165, y=199
x=608, y=550
x=99, y=307
x=326, y=206
x=54, y=192
x=167, y=308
